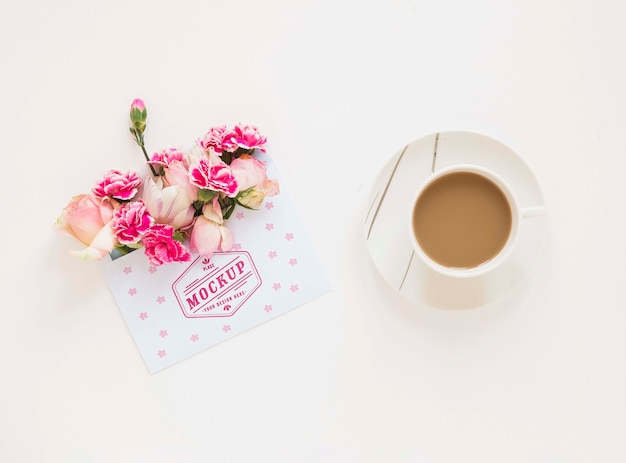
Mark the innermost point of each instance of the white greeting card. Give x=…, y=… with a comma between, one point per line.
x=176, y=310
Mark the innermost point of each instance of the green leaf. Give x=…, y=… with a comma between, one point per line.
x=228, y=211
x=246, y=207
x=206, y=195
x=123, y=249
x=179, y=236
x=244, y=192
x=197, y=205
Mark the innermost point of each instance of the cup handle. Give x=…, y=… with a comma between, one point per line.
x=533, y=211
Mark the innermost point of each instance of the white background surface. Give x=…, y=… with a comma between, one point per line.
x=338, y=86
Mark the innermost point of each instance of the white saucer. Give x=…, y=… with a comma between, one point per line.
x=387, y=222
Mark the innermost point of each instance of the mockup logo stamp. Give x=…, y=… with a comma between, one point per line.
x=217, y=287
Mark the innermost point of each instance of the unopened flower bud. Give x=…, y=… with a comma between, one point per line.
x=138, y=115
x=251, y=198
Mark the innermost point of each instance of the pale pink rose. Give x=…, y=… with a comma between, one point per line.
x=195, y=153
x=208, y=237
x=117, y=185
x=248, y=171
x=131, y=221
x=88, y=219
x=213, y=139
x=177, y=174
x=254, y=186
x=213, y=211
x=161, y=247
x=166, y=156
x=271, y=187
x=215, y=177
x=168, y=205
x=243, y=136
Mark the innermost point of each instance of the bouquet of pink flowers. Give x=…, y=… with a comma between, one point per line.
x=182, y=206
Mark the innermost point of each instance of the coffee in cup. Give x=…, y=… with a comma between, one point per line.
x=464, y=220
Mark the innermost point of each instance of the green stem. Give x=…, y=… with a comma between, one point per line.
x=148, y=159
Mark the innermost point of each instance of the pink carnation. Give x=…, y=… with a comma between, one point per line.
x=213, y=139
x=161, y=247
x=166, y=156
x=247, y=137
x=117, y=185
x=131, y=221
x=215, y=177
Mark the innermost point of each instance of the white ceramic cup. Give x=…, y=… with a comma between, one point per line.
x=517, y=214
